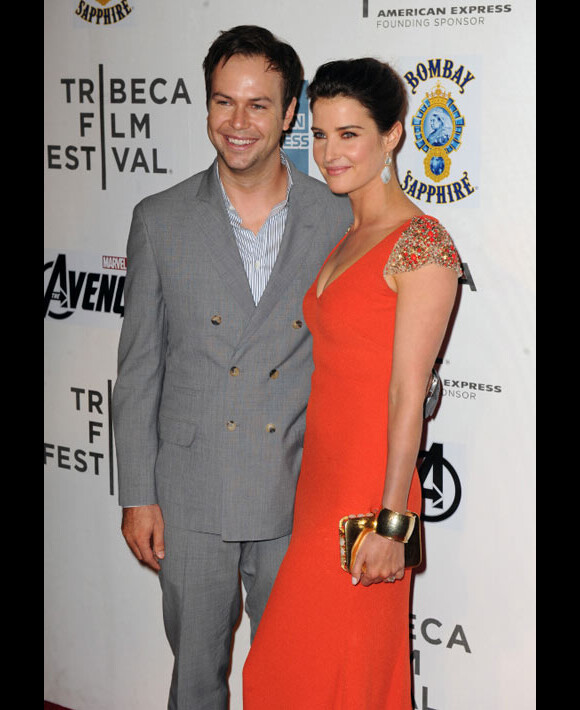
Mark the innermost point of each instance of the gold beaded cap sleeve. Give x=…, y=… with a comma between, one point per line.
x=425, y=241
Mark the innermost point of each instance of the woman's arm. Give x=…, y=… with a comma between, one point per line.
x=425, y=298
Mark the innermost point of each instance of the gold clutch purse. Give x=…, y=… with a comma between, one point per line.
x=353, y=529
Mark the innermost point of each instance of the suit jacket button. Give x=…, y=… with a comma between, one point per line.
x=274, y=374
x=297, y=324
x=231, y=425
x=234, y=371
x=270, y=428
x=216, y=320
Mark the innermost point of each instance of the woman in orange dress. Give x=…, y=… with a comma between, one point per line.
x=378, y=312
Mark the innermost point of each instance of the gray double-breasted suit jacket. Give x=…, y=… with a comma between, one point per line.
x=210, y=401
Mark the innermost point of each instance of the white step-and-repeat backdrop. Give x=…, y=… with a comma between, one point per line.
x=125, y=117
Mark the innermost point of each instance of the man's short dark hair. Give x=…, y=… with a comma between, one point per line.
x=253, y=41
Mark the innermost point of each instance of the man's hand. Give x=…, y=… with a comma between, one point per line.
x=142, y=528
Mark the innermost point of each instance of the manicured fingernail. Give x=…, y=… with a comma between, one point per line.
x=354, y=580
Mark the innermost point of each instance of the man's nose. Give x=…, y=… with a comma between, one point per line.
x=240, y=117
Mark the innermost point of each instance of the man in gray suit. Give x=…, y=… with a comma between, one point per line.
x=215, y=362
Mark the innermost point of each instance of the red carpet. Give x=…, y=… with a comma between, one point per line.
x=52, y=706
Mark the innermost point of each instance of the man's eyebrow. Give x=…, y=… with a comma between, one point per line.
x=230, y=98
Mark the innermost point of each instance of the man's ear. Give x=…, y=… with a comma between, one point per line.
x=289, y=115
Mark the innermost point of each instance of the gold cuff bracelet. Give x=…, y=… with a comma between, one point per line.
x=395, y=526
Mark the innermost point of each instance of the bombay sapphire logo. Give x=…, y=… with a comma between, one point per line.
x=99, y=14
x=438, y=127
x=442, y=168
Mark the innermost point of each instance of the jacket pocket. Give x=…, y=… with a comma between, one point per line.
x=176, y=431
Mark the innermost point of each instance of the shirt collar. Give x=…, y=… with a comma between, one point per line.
x=277, y=208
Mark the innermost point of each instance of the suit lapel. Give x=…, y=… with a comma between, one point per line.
x=216, y=231
x=299, y=234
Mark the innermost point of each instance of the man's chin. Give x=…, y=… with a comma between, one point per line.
x=238, y=163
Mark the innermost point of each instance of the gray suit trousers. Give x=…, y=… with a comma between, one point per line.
x=200, y=579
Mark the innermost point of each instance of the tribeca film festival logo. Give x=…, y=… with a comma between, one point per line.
x=113, y=135
x=98, y=13
x=435, y=633
x=91, y=291
x=95, y=455
x=438, y=15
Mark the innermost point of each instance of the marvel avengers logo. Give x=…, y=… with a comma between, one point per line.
x=440, y=483
x=91, y=294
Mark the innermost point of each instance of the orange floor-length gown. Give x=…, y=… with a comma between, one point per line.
x=322, y=643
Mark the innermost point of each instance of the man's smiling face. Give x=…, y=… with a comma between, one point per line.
x=245, y=114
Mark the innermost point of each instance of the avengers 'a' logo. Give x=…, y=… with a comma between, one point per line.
x=56, y=301
x=440, y=483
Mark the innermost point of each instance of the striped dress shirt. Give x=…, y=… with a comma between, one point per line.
x=259, y=251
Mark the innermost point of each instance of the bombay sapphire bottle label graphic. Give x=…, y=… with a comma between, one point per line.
x=438, y=127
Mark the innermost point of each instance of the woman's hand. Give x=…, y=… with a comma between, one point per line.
x=378, y=560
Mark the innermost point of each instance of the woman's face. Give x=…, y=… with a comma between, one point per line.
x=348, y=148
